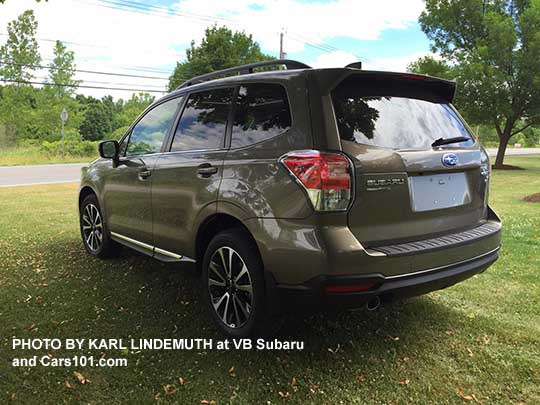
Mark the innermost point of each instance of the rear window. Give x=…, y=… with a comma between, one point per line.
x=262, y=112
x=396, y=122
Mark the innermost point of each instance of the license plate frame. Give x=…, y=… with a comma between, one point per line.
x=439, y=191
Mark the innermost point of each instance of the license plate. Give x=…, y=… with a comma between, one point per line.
x=439, y=191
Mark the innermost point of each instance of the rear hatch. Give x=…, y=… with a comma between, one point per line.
x=406, y=187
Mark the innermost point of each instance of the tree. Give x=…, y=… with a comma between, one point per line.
x=132, y=108
x=20, y=53
x=432, y=67
x=495, y=48
x=17, y=57
x=97, y=123
x=62, y=71
x=219, y=49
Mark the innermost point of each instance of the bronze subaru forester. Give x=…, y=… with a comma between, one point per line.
x=298, y=188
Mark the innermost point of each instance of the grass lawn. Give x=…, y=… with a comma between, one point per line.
x=34, y=156
x=478, y=341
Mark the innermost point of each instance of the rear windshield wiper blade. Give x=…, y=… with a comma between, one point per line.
x=447, y=141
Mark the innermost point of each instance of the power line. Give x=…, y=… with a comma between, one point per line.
x=110, y=83
x=136, y=7
x=124, y=67
x=87, y=45
x=81, y=86
x=84, y=71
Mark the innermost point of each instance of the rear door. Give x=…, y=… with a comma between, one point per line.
x=128, y=185
x=186, y=179
x=407, y=189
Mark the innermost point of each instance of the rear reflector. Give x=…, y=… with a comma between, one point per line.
x=349, y=288
x=326, y=177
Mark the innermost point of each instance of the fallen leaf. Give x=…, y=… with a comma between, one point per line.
x=231, y=372
x=284, y=395
x=404, y=382
x=476, y=399
x=181, y=381
x=169, y=389
x=362, y=378
x=31, y=328
x=13, y=396
x=406, y=359
x=293, y=381
x=68, y=384
x=470, y=352
x=485, y=339
x=81, y=378
x=465, y=397
x=205, y=401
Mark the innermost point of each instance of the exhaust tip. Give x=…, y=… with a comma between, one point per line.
x=373, y=303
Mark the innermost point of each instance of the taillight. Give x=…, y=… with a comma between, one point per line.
x=325, y=176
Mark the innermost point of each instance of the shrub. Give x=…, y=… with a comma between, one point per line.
x=71, y=147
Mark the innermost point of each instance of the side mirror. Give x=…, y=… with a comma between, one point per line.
x=109, y=150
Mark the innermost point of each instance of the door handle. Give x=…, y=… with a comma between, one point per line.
x=206, y=170
x=144, y=174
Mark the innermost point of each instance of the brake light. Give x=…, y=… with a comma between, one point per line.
x=412, y=76
x=326, y=177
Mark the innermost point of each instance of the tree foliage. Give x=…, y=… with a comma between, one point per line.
x=62, y=71
x=220, y=48
x=30, y=113
x=494, y=48
x=20, y=52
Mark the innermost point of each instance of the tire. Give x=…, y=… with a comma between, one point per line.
x=94, y=232
x=246, y=313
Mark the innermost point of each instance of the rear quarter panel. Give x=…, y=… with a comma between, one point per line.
x=254, y=181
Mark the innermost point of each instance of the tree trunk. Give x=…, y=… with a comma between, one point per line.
x=504, y=138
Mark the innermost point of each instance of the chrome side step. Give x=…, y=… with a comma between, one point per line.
x=160, y=254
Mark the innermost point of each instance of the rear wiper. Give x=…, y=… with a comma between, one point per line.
x=447, y=141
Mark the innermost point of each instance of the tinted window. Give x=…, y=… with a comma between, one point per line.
x=203, y=122
x=397, y=122
x=148, y=135
x=261, y=113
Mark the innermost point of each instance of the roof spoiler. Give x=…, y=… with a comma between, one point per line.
x=426, y=87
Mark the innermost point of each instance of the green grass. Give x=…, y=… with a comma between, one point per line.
x=481, y=337
x=34, y=156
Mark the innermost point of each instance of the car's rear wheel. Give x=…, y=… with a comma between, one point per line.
x=95, y=235
x=234, y=285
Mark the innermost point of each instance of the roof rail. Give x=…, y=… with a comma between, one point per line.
x=245, y=69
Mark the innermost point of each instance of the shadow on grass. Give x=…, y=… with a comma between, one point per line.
x=134, y=295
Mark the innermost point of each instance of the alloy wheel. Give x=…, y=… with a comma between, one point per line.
x=92, y=227
x=230, y=287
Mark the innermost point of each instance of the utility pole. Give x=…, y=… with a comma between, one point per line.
x=282, y=55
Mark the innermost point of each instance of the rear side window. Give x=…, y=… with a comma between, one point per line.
x=203, y=122
x=396, y=122
x=262, y=112
x=148, y=134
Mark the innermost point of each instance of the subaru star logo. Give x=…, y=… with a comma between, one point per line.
x=450, y=159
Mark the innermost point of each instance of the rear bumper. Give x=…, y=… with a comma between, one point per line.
x=313, y=295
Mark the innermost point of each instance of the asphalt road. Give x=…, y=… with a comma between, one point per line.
x=66, y=173
x=516, y=151
x=40, y=174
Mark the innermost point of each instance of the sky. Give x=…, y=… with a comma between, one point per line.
x=147, y=38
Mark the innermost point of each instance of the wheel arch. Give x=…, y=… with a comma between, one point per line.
x=213, y=225
x=85, y=192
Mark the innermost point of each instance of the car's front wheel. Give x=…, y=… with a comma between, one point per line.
x=95, y=235
x=234, y=285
